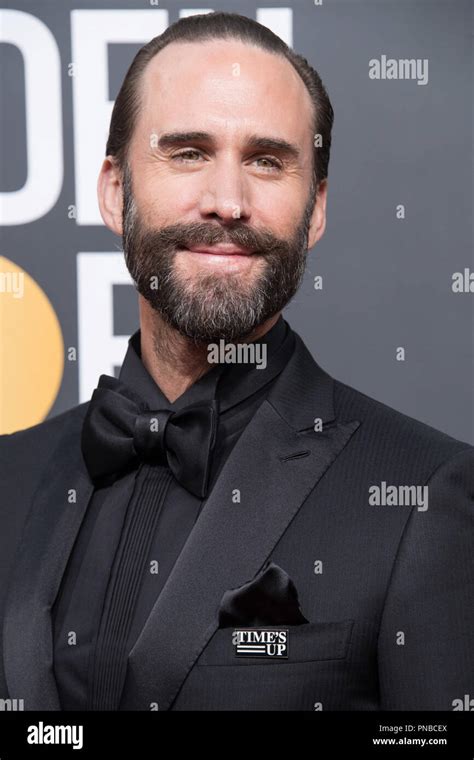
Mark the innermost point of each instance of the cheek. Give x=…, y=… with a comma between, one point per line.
x=156, y=210
x=279, y=214
x=163, y=204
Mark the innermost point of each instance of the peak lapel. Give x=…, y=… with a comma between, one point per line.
x=49, y=534
x=273, y=466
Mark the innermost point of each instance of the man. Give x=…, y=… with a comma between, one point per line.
x=225, y=526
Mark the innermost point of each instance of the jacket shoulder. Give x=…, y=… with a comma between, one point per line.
x=394, y=430
x=26, y=452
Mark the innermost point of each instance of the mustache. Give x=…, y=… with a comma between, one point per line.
x=261, y=242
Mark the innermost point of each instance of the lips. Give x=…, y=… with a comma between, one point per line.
x=220, y=250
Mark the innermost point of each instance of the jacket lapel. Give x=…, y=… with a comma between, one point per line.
x=275, y=464
x=49, y=534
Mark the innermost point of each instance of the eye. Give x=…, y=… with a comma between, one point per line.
x=274, y=163
x=186, y=153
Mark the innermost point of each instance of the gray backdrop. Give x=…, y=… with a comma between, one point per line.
x=387, y=282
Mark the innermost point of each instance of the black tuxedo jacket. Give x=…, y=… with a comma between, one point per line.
x=387, y=589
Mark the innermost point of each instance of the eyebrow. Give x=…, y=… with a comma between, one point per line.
x=253, y=142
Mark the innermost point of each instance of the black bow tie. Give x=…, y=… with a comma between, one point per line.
x=120, y=431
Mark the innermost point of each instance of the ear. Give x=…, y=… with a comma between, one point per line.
x=110, y=196
x=318, y=217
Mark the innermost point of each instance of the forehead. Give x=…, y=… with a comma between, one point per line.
x=224, y=85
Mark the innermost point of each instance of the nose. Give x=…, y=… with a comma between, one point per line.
x=225, y=192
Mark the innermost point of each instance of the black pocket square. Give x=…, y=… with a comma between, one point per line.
x=270, y=598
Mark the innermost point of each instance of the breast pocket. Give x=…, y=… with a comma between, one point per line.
x=305, y=642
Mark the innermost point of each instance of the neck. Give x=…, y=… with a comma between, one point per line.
x=174, y=361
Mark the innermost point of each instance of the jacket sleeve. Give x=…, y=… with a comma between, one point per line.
x=426, y=637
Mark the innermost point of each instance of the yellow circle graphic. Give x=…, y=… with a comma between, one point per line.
x=31, y=350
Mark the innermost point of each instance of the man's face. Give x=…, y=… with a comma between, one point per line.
x=250, y=203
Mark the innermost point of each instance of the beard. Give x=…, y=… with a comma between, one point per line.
x=210, y=306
